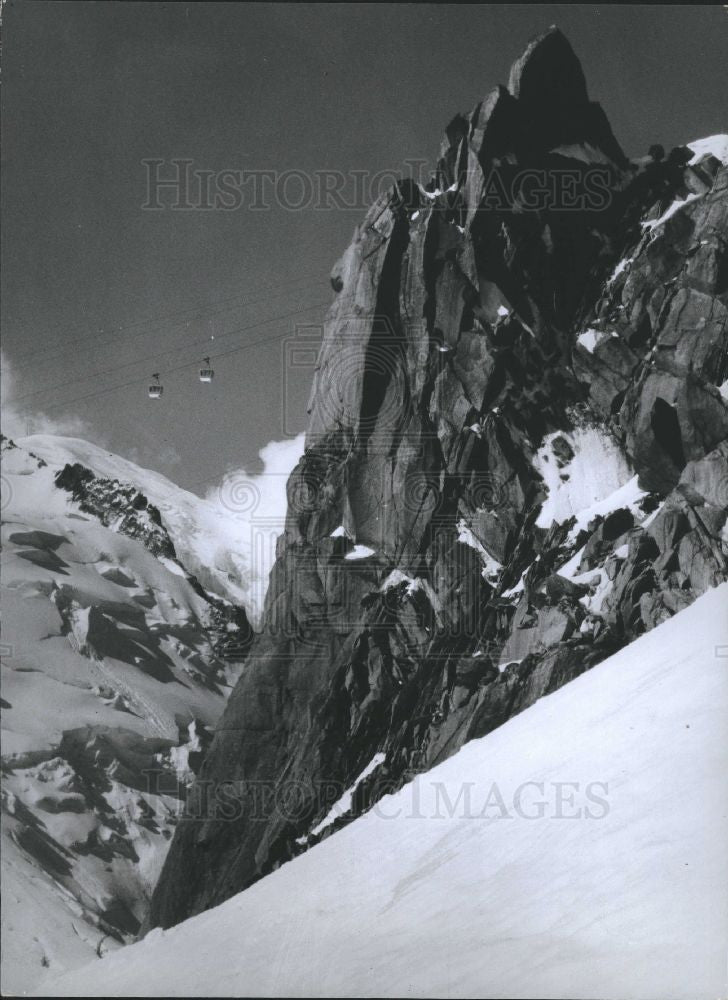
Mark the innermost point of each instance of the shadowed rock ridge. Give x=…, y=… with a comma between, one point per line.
x=540, y=325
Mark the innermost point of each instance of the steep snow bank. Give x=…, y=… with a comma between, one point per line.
x=577, y=851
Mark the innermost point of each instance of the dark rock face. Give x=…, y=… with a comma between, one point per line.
x=540, y=329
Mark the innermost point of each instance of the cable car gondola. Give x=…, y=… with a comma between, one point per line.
x=206, y=374
x=156, y=389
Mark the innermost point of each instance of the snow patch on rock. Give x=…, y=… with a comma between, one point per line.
x=595, y=470
x=630, y=495
x=395, y=578
x=671, y=210
x=715, y=145
x=491, y=566
x=359, y=552
x=619, y=269
x=343, y=805
x=590, y=338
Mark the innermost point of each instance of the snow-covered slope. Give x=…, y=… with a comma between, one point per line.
x=211, y=542
x=577, y=851
x=109, y=684
x=712, y=145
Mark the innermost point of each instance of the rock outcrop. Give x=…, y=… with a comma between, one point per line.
x=516, y=463
x=125, y=509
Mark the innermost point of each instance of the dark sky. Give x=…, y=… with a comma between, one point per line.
x=99, y=292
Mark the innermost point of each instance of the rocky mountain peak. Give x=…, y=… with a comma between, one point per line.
x=548, y=72
x=515, y=464
x=545, y=106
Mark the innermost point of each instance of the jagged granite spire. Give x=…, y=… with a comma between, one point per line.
x=548, y=73
x=516, y=462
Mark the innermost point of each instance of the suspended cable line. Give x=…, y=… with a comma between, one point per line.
x=158, y=354
x=192, y=364
x=283, y=289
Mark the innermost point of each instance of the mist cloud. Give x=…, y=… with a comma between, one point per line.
x=19, y=420
x=250, y=512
